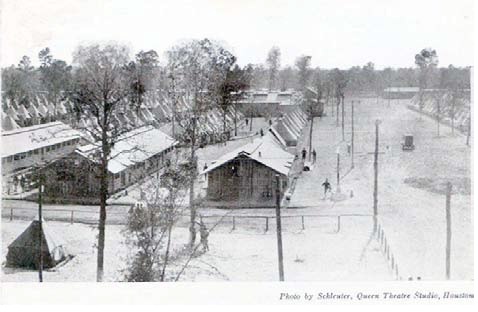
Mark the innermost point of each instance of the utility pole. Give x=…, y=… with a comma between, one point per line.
x=279, y=229
x=375, y=182
x=338, y=169
x=469, y=132
x=343, y=116
x=40, y=226
x=448, y=229
x=310, y=134
x=353, y=134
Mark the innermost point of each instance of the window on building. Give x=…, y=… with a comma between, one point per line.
x=23, y=155
x=9, y=159
x=16, y=157
x=36, y=152
x=30, y=153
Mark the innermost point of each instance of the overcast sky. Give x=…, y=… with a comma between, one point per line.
x=336, y=33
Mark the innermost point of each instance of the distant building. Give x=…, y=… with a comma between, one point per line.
x=24, y=148
x=400, y=92
x=246, y=177
x=136, y=154
x=267, y=103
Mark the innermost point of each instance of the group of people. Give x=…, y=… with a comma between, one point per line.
x=314, y=155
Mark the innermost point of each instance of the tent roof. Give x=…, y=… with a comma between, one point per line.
x=31, y=234
x=9, y=123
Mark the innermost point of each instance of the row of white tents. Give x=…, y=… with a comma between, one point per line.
x=156, y=110
x=443, y=101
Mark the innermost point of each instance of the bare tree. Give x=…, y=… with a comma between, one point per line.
x=150, y=224
x=273, y=65
x=100, y=89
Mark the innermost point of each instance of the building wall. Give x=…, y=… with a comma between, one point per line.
x=75, y=177
x=37, y=156
x=245, y=182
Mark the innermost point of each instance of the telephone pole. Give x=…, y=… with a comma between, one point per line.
x=375, y=182
x=338, y=169
x=448, y=229
x=353, y=134
x=40, y=232
x=279, y=230
x=310, y=134
x=343, y=116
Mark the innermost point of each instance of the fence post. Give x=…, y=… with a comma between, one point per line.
x=303, y=223
x=338, y=223
x=71, y=217
x=11, y=214
x=233, y=223
x=267, y=224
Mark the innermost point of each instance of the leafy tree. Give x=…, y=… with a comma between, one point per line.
x=231, y=90
x=303, y=66
x=273, y=65
x=142, y=73
x=286, y=78
x=426, y=61
x=55, y=75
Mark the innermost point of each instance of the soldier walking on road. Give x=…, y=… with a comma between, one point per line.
x=204, y=235
x=314, y=156
x=327, y=187
x=304, y=154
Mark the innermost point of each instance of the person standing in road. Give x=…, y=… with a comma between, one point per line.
x=314, y=156
x=304, y=154
x=327, y=187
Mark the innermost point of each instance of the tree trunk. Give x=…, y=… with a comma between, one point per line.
x=103, y=197
x=168, y=247
x=192, y=226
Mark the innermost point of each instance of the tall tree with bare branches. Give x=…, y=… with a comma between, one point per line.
x=200, y=67
x=100, y=90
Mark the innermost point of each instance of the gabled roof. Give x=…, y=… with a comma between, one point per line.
x=263, y=150
x=131, y=148
x=26, y=139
